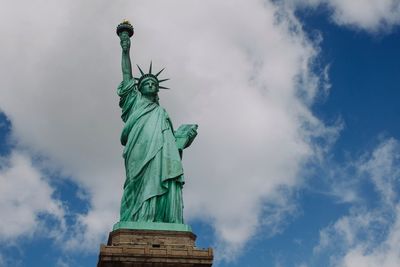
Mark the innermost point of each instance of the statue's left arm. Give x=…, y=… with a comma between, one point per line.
x=185, y=135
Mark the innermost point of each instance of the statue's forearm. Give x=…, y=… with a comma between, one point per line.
x=126, y=66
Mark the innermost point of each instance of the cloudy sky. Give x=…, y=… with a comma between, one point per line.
x=297, y=161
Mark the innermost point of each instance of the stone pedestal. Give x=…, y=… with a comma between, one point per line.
x=153, y=248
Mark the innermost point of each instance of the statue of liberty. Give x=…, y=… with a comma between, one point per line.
x=153, y=151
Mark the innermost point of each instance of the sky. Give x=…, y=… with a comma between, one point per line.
x=297, y=158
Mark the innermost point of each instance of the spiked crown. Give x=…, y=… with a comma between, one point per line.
x=149, y=75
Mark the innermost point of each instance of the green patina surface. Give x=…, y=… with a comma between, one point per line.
x=153, y=150
x=152, y=226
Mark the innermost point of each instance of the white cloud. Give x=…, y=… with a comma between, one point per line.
x=62, y=263
x=370, y=236
x=384, y=170
x=369, y=15
x=25, y=198
x=240, y=69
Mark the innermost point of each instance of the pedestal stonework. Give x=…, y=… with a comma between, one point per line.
x=153, y=248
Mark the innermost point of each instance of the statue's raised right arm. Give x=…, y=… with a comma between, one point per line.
x=126, y=61
x=126, y=89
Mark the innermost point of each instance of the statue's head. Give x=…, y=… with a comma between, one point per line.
x=149, y=86
x=148, y=83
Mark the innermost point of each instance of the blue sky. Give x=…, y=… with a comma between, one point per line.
x=297, y=161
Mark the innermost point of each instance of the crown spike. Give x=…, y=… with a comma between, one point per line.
x=158, y=73
x=163, y=80
x=141, y=72
x=162, y=87
x=151, y=64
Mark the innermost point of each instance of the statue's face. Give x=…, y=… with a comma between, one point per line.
x=125, y=40
x=149, y=87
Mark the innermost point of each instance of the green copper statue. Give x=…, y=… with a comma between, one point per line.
x=153, y=151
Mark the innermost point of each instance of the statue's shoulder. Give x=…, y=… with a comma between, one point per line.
x=129, y=83
x=127, y=86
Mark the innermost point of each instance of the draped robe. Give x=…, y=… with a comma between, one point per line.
x=154, y=173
